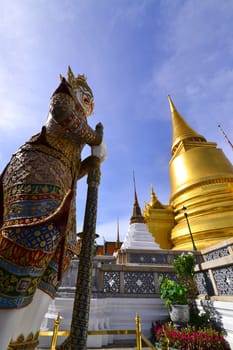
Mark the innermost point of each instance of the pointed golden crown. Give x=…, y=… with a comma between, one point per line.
x=76, y=82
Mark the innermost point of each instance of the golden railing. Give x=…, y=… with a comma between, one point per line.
x=137, y=331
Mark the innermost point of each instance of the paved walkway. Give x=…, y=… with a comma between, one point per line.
x=118, y=348
x=118, y=345
x=121, y=347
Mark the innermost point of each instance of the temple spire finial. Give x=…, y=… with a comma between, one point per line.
x=171, y=104
x=118, y=243
x=154, y=202
x=181, y=130
x=152, y=196
x=137, y=214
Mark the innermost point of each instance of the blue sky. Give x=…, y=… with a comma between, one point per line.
x=134, y=54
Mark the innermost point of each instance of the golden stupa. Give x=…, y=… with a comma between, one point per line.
x=200, y=210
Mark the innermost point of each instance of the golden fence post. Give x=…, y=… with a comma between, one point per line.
x=138, y=333
x=164, y=341
x=55, y=332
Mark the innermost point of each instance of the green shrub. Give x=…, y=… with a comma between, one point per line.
x=173, y=292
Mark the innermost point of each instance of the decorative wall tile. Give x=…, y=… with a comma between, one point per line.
x=216, y=254
x=224, y=280
x=139, y=282
x=145, y=258
x=111, y=282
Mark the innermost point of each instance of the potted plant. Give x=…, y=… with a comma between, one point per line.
x=173, y=292
x=175, y=295
x=184, y=266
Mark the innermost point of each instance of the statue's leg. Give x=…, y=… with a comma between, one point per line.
x=27, y=331
x=21, y=270
x=17, y=286
x=9, y=320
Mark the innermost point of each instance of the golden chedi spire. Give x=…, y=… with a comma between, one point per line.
x=202, y=181
x=154, y=202
x=181, y=130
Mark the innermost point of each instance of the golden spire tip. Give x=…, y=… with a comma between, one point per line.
x=171, y=104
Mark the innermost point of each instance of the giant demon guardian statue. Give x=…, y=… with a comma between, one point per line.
x=37, y=211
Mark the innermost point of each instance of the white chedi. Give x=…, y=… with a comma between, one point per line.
x=138, y=237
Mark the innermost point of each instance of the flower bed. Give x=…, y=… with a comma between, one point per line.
x=190, y=337
x=200, y=333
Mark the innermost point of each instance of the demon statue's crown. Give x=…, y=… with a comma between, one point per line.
x=76, y=82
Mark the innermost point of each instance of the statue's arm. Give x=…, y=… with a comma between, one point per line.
x=88, y=163
x=65, y=112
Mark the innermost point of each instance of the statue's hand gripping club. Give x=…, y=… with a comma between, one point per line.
x=98, y=151
x=99, y=130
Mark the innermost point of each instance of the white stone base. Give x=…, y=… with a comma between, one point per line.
x=120, y=313
x=110, y=313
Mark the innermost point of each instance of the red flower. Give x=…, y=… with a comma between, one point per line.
x=190, y=338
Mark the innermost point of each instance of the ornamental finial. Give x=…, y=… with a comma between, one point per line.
x=76, y=82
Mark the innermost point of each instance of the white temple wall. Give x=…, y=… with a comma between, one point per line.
x=117, y=313
x=108, y=313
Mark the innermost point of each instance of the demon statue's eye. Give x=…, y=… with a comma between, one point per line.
x=86, y=99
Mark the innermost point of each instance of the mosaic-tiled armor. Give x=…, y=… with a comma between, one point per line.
x=38, y=197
